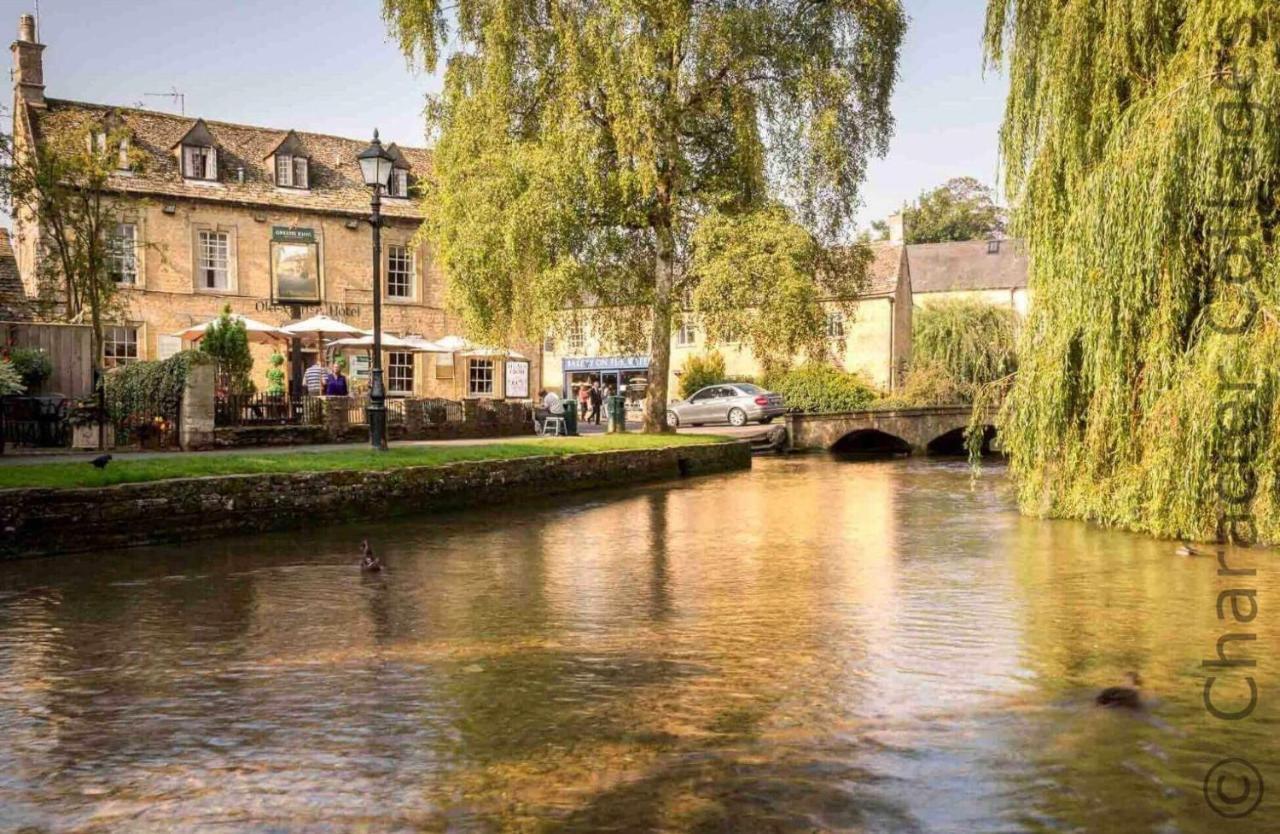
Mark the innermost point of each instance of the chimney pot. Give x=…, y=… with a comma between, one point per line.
x=27, y=28
x=28, y=64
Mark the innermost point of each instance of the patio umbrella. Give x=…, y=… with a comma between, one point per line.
x=425, y=346
x=389, y=342
x=322, y=327
x=256, y=331
x=451, y=343
x=488, y=351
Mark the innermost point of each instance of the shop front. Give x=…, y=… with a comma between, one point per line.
x=628, y=375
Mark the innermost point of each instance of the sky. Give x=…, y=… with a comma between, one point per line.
x=331, y=68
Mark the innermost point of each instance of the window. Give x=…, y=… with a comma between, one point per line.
x=119, y=346
x=835, y=325
x=686, y=335
x=993, y=247
x=480, y=378
x=122, y=254
x=122, y=158
x=548, y=344
x=400, y=372
x=97, y=141
x=399, y=272
x=199, y=162
x=576, y=341
x=398, y=185
x=213, y=250
x=291, y=171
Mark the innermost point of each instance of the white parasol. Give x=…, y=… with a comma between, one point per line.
x=255, y=330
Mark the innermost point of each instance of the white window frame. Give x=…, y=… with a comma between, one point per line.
x=835, y=324
x=400, y=372
x=687, y=334
x=404, y=252
x=292, y=171
x=398, y=184
x=122, y=254
x=121, y=345
x=209, y=155
x=200, y=244
x=576, y=339
x=483, y=390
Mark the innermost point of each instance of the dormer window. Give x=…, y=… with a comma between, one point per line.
x=291, y=171
x=199, y=162
x=398, y=185
x=98, y=140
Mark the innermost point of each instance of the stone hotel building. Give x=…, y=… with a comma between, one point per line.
x=271, y=221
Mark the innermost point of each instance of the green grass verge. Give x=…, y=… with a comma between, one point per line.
x=124, y=470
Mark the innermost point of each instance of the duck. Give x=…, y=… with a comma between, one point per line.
x=369, y=562
x=1185, y=549
x=1122, y=696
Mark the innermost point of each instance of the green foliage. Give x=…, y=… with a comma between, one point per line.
x=227, y=342
x=10, y=379
x=580, y=146
x=138, y=394
x=1139, y=143
x=926, y=384
x=817, y=387
x=275, y=375
x=700, y=371
x=960, y=209
x=33, y=364
x=973, y=343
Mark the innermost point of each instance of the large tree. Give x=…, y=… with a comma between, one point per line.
x=581, y=146
x=1139, y=144
x=962, y=208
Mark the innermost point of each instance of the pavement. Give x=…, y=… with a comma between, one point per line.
x=14, y=457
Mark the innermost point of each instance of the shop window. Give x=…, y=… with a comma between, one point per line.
x=119, y=346
x=400, y=372
x=480, y=378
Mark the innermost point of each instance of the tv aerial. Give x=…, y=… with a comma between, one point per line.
x=175, y=96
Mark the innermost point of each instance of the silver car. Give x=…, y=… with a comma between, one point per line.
x=736, y=403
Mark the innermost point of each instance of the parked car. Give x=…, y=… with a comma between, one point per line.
x=735, y=403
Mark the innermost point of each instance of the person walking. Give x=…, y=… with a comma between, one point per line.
x=584, y=401
x=595, y=398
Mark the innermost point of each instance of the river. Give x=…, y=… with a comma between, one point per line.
x=814, y=645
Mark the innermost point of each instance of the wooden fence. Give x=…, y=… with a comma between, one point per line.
x=68, y=346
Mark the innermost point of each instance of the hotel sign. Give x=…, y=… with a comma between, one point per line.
x=295, y=266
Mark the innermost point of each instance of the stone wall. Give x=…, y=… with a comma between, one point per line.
x=38, y=522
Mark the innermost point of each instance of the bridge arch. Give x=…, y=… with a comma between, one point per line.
x=871, y=443
x=953, y=442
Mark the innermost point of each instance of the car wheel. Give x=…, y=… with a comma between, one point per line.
x=672, y=420
x=737, y=417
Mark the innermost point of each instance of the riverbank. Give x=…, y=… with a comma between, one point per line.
x=63, y=507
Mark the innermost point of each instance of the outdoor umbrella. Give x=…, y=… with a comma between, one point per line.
x=490, y=351
x=256, y=331
x=322, y=327
x=389, y=342
x=451, y=343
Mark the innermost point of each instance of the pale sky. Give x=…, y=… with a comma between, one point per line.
x=330, y=68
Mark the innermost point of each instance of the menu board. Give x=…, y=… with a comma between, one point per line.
x=517, y=379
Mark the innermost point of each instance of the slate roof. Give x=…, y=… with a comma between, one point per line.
x=15, y=305
x=966, y=266
x=333, y=173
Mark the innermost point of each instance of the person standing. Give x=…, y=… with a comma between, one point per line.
x=337, y=384
x=584, y=401
x=595, y=398
x=316, y=379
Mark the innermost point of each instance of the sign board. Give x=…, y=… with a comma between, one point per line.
x=360, y=366
x=517, y=379
x=603, y=363
x=295, y=266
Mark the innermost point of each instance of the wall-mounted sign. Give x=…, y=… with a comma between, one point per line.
x=605, y=363
x=346, y=312
x=360, y=366
x=295, y=266
x=517, y=379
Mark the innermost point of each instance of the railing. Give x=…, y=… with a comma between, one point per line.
x=357, y=406
x=34, y=421
x=266, y=410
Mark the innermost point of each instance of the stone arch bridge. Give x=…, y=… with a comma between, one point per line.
x=915, y=431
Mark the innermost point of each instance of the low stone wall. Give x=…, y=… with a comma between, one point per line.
x=38, y=522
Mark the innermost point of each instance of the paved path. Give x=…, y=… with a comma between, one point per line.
x=10, y=459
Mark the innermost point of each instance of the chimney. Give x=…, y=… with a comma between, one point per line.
x=28, y=64
x=897, y=228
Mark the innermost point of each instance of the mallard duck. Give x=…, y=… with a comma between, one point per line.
x=1122, y=696
x=1185, y=549
x=369, y=562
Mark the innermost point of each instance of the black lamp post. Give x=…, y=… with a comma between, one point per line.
x=375, y=167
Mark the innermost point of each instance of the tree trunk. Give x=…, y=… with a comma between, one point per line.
x=655, y=412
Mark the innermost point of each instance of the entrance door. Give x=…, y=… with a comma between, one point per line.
x=610, y=379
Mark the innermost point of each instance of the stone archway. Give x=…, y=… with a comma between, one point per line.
x=954, y=442
x=871, y=443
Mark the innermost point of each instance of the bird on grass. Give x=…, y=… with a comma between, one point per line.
x=369, y=562
x=101, y=461
x=1122, y=696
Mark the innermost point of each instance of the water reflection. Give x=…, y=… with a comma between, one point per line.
x=812, y=645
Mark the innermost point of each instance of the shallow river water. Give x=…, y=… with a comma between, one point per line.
x=814, y=645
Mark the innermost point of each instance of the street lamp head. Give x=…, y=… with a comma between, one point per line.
x=375, y=164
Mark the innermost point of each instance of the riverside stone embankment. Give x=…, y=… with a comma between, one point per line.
x=37, y=522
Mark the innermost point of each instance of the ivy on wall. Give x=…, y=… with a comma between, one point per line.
x=142, y=394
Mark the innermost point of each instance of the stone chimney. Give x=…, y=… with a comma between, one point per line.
x=28, y=64
x=897, y=228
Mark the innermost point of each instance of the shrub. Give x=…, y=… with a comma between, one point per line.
x=972, y=342
x=10, y=379
x=819, y=387
x=701, y=371
x=275, y=375
x=142, y=393
x=32, y=364
x=925, y=385
x=226, y=341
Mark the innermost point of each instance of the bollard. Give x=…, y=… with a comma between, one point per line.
x=617, y=406
x=570, y=417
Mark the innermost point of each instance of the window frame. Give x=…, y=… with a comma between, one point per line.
x=292, y=171
x=410, y=275
x=110, y=333
x=400, y=372
x=210, y=156
x=474, y=365
x=686, y=333
x=198, y=279
x=575, y=339
x=116, y=258
x=400, y=178
x=835, y=324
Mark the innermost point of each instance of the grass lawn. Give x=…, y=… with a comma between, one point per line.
x=195, y=464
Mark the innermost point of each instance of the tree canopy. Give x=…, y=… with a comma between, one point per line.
x=962, y=208
x=1139, y=143
x=583, y=150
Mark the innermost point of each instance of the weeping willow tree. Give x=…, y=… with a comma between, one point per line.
x=1140, y=148
x=972, y=342
x=579, y=146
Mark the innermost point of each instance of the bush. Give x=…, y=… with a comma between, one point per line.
x=972, y=342
x=142, y=393
x=701, y=371
x=226, y=341
x=925, y=385
x=275, y=375
x=10, y=379
x=818, y=387
x=32, y=364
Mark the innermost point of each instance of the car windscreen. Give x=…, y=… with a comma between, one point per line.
x=748, y=388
